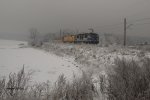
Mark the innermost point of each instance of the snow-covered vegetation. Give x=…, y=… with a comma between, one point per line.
x=80, y=72
x=95, y=57
x=129, y=80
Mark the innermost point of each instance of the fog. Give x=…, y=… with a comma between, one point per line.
x=18, y=16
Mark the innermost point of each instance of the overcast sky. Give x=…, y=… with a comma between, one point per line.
x=17, y=16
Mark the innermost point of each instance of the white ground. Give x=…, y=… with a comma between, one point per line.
x=59, y=59
x=95, y=58
x=44, y=65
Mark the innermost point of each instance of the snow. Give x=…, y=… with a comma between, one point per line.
x=54, y=59
x=93, y=57
x=44, y=65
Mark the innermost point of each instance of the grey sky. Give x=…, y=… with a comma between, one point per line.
x=17, y=16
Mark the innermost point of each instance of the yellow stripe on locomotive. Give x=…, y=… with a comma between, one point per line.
x=69, y=38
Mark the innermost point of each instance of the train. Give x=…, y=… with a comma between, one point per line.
x=88, y=38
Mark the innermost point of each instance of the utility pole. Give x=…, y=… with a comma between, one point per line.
x=125, y=30
x=60, y=34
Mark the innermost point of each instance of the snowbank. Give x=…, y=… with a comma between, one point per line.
x=44, y=66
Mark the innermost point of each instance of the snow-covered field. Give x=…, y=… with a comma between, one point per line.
x=59, y=58
x=43, y=65
x=94, y=57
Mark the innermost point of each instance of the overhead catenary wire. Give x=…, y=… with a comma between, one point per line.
x=129, y=23
x=139, y=20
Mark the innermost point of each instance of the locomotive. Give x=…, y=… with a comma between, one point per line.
x=90, y=38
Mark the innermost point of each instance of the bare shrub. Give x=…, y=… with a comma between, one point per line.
x=103, y=85
x=80, y=89
x=38, y=91
x=141, y=54
x=129, y=81
x=59, y=89
x=16, y=86
x=2, y=88
x=33, y=36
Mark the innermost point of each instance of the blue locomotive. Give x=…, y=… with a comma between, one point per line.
x=90, y=38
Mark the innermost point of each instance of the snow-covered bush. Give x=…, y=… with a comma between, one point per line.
x=128, y=80
x=17, y=88
x=2, y=88
x=79, y=89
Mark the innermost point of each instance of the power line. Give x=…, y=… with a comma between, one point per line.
x=143, y=24
x=112, y=25
x=136, y=22
x=115, y=26
x=139, y=20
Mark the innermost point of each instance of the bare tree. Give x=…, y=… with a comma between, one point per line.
x=33, y=33
x=33, y=36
